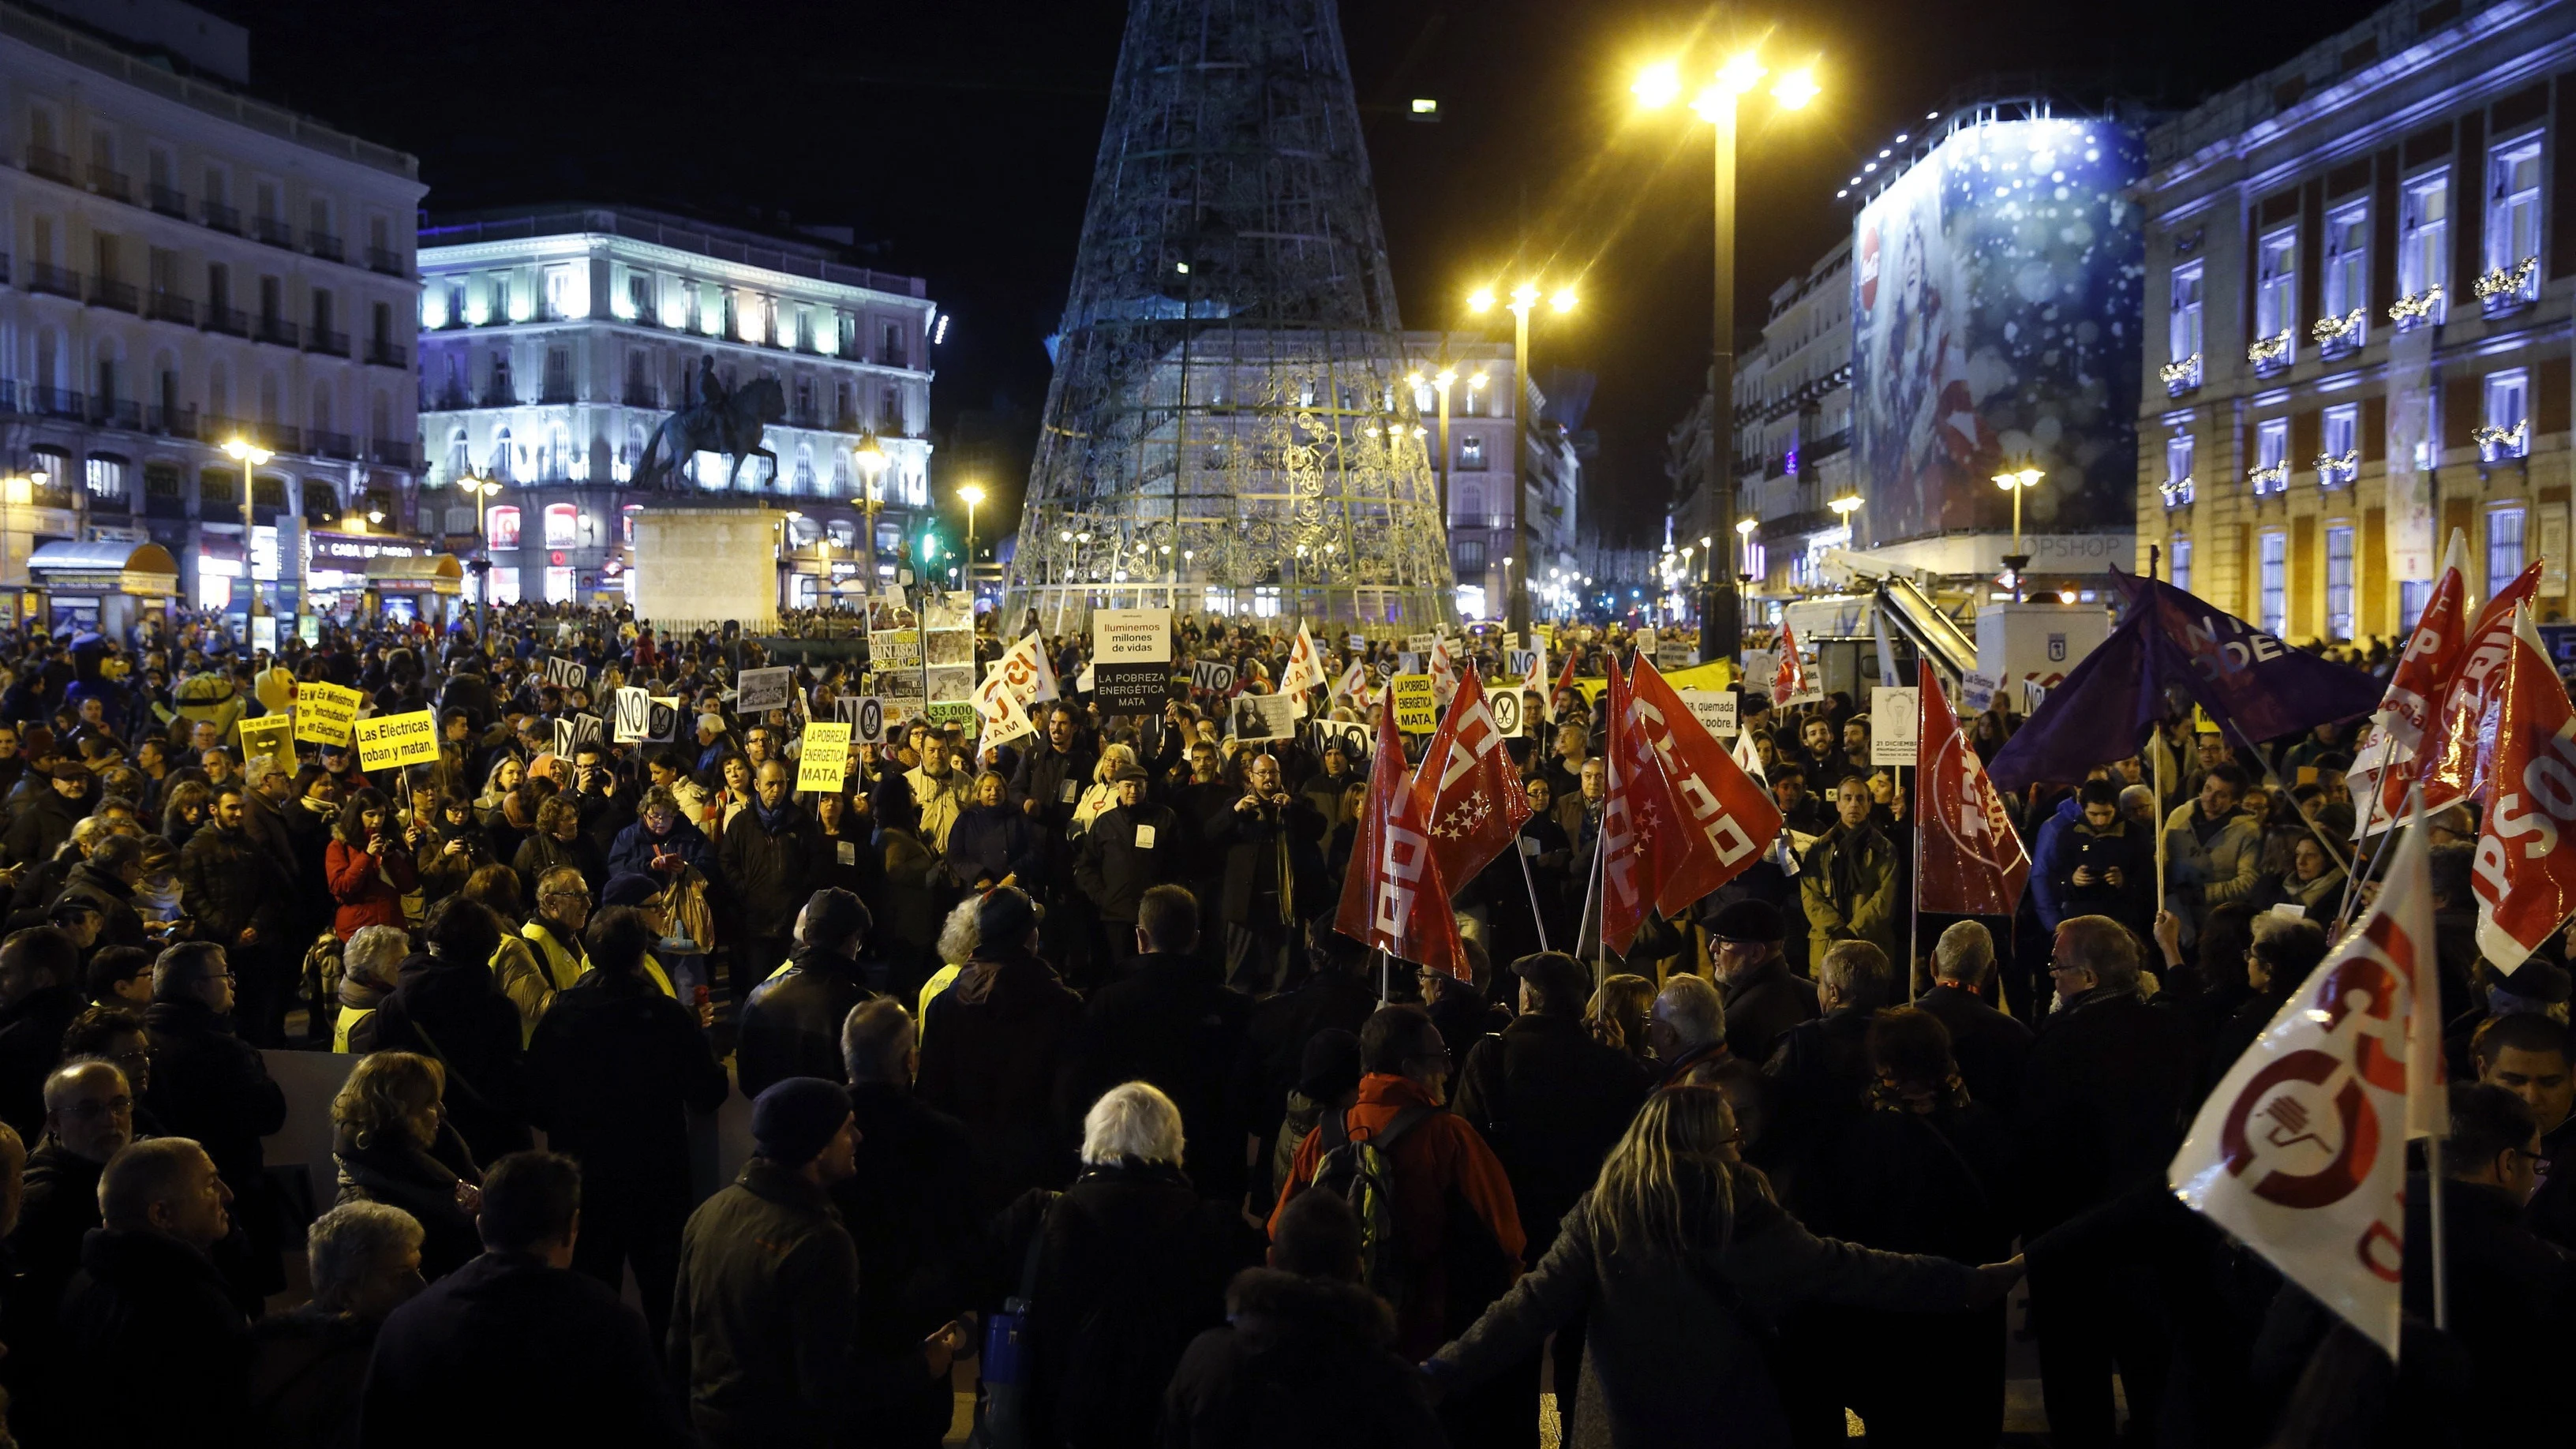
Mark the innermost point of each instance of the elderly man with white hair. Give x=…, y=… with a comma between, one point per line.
x=309, y=1366
x=1989, y=1046
x=1130, y=1246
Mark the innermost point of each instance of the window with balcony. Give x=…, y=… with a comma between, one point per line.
x=890, y=412
x=2178, y=486
x=501, y=526
x=2341, y=458
x=2181, y=562
x=563, y=525
x=1468, y=554
x=2273, y=565
x=2183, y=332
x=2506, y=433
x=2504, y=547
x=1471, y=451
x=2512, y=276
x=106, y=479
x=2339, y=582
x=2271, y=471
x=2346, y=283
x=1477, y=391
x=2423, y=250
x=2276, y=300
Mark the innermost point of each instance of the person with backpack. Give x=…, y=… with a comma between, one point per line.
x=1116, y=1274
x=1440, y=1232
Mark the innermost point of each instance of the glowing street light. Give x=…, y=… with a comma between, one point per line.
x=2017, y=482
x=1525, y=299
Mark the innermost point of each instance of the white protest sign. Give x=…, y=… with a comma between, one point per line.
x=1894, y=725
x=1715, y=709
x=758, y=691
x=634, y=715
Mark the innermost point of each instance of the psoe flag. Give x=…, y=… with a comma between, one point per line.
x=2525, y=873
x=2301, y=1150
x=1971, y=859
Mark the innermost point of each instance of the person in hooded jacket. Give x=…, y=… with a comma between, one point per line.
x=446, y=1007
x=993, y=1046
x=1129, y=1264
x=791, y=1026
x=1302, y=1321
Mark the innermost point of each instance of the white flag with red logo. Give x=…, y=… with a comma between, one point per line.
x=1535, y=681
x=1028, y=671
x=1392, y=897
x=1789, y=683
x=2453, y=757
x=998, y=713
x=2525, y=875
x=1972, y=863
x=1305, y=670
x=2381, y=771
x=2301, y=1150
x=1726, y=818
x=1444, y=673
x=1468, y=791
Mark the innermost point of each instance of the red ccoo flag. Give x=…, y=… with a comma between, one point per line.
x=2454, y=755
x=1467, y=790
x=1972, y=862
x=2382, y=762
x=1392, y=897
x=1565, y=676
x=2525, y=874
x=1727, y=819
x=1789, y=681
x=1638, y=841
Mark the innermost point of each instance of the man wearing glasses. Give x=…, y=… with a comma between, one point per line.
x=209, y=1084
x=89, y=1118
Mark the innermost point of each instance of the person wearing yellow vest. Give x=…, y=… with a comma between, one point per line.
x=643, y=892
x=367, y=969
x=791, y=1024
x=563, y=908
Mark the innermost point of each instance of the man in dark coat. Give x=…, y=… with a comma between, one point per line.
x=1546, y=1097
x=1763, y=1000
x=1339, y=994
x=1990, y=1047
x=2101, y=1114
x=210, y=1085
x=912, y=1202
x=767, y=859
x=993, y=1048
x=1128, y=849
x=1821, y=1068
x=1169, y=1019
x=89, y=1118
x=39, y=996
x=1274, y=875
x=1046, y=787
x=147, y=1293
x=104, y=882
x=514, y=1347
x=40, y=829
x=612, y=1072
x=445, y=1005
x=791, y=1026
x=238, y=897
x=763, y=1337
x=1303, y=1321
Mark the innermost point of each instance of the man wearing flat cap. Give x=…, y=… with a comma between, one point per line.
x=1763, y=1000
x=764, y=1327
x=1131, y=847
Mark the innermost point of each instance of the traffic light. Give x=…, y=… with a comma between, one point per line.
x=929, y=546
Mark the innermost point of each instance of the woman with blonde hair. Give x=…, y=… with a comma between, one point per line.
x=1102, y=794
x=393, y=1144
x=1618, y=1011
x=1677, y=1258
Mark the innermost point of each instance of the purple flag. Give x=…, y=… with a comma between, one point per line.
x=2250, y=683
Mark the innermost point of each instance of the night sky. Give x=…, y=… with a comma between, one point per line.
x=958, y=140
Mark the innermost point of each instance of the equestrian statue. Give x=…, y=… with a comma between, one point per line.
x=723, y=421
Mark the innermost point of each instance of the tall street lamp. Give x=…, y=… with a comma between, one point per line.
x=872, y=460
x=1744, y=572
x=1523, y=301
x=1445, y=379
x=2018, y=482
x=1722, y=622
x=973, y=493
x=250, y=455
x=482, y=490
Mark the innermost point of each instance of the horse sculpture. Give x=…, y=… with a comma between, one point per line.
x=721, y=422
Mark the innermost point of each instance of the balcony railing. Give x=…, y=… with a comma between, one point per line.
x=499, y=397
x=2416, y=309
x=393, y=453
x=642, y=395
x=170, y=307
x=55, y=402
x=108, y=181
x=109, y=412
x=2337, y=470
x=2496, y=445
x=2268, y=479
x=230, y=321
x=2177, y=492
x=557, y=392
x=278, y=330
x=171, y=422
x=2506, y=290
x=273, y=231
x=454, y=400
x=324, y=245
x=323, y=340
x=169, y=201
x=385, y=260
x=332, y=445
x=51, y=165
x=2339, y=336
x=2271, y=354
x=382, y=353
x=222, y=217
x=106, y=292
x=60, y=281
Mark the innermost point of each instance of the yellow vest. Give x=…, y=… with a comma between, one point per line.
x=563, y=968
x=783, y=968
x=929, y=991
x=350, y=1016
x=660, y=977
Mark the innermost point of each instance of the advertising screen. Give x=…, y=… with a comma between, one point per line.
x=1995, y=324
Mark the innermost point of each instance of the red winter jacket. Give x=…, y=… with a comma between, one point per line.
x=368, y=896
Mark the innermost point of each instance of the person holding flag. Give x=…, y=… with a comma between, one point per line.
x=1393, y=898
x=1304, y=670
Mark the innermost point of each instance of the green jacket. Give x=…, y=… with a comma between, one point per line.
x=764, y=1327
x=1848, y=885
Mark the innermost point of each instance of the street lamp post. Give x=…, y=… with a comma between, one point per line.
x=250, y=455
x=872, y=465
x=481, y=490
x=1523, y=301
x=2017, y=482
x=1744, y=571
x=1722, y=622
x=973, y=493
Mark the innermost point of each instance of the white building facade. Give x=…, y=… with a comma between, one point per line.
x=191, y=267
x=554, y=342
x=1481, y=483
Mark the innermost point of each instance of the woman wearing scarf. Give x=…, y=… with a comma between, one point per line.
x=992, y=844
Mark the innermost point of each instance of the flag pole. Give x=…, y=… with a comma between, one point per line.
x=2273, y=779
x=2352, y=878
x=2441, y=1248
x=1537, y=918
x=1591, y=888
x=2162, y=751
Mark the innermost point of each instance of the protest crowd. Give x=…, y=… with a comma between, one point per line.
x=1299, y=1057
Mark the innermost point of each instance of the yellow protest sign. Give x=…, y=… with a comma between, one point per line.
x=825, y=761
x=1715, y=674
x=325, y=713
x=1417, y=711
x=270, y=734
x=391, y=741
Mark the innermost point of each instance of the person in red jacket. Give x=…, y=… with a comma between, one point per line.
x=369, y=866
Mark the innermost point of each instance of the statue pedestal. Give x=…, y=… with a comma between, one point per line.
x=706, y=564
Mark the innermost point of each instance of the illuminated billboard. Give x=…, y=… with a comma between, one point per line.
x=1995, y=323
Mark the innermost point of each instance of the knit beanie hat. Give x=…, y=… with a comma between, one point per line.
x=797, y=1118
